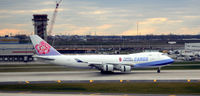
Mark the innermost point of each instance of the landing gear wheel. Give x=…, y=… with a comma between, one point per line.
x=102, y=72
x=158, y=71
x=106, y=72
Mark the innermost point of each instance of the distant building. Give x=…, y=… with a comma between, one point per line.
x=40, y=25
x=16, y=52
x=191, y=49
x=9, y=40
x=11, y=50
x=192, y=46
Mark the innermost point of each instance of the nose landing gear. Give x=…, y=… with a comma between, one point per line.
x=158, y=71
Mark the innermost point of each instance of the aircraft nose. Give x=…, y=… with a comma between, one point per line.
x=170, y=59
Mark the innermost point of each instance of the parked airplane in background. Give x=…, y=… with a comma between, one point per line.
x=105, y=63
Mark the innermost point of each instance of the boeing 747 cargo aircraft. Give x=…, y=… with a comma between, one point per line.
x=104, y=63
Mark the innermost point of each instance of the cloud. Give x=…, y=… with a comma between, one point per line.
x=38, y=11
x=21, y=25
x=188, y=31
x=103, y=27
x=158, y=30
x=154, y=20
x=105, y=17
x=191, y=17
x=68, y=26
x=43, y=10
x=96, y=12
x=78, y=31
x=140, y=32
x=14, y=11
x=175, y=21
x=4, y=16
x=4, y=32
x=16, y=25
x=48, y=3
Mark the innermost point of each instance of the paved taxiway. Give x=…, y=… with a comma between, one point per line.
x=96, y=75
x=82, y=94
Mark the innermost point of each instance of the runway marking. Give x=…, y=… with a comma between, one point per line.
x=125, y=95
x=171, y=95
x=95, y=94
x=27, y=82
x=91, y=81
x=59, y=81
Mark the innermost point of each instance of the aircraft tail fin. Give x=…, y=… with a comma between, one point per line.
x=42, y=47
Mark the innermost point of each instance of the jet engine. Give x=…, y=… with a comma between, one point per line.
x=108, y=67
x=124, y=68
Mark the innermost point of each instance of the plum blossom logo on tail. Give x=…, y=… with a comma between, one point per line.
x=42, y=48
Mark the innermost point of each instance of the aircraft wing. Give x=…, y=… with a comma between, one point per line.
x=99, y=64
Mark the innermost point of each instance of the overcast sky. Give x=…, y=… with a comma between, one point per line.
x=104, y=17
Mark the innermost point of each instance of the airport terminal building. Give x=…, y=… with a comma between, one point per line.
x=13, y=51
x=192, y=46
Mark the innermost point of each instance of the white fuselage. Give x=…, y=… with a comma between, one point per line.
x=138, y=60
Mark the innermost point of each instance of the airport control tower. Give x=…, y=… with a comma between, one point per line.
x=40, y=25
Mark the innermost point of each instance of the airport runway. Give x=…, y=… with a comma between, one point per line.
x=97, y=76
x=81, y=94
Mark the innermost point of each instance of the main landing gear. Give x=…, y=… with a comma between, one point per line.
x=106, y=72
x=158, y=71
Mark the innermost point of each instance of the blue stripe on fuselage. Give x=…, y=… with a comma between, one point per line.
x=154, y=63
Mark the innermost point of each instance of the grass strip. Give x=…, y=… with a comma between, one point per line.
x=145, y=88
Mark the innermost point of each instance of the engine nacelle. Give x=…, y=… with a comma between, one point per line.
x=124, y=68
x=108, y=67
